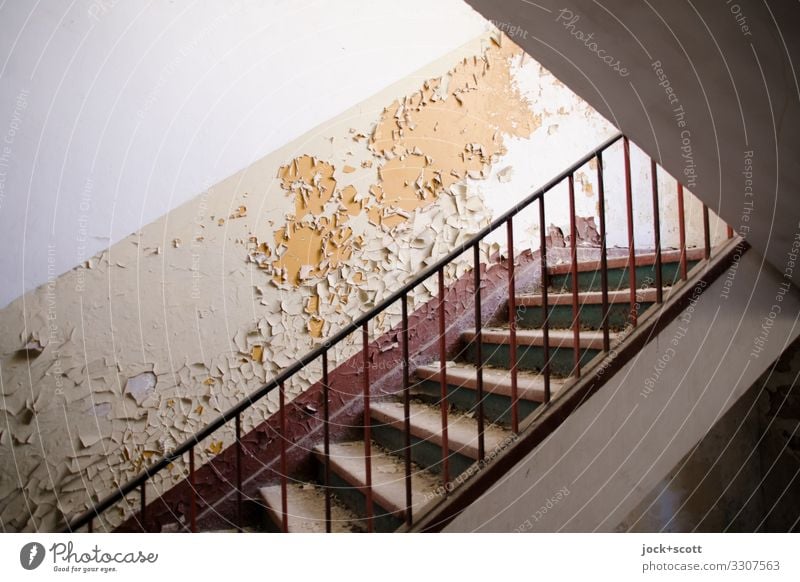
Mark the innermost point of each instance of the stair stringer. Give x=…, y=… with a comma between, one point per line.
x=215, y=482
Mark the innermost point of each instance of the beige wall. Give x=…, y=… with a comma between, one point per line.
x=108, y=366
x=152, y=338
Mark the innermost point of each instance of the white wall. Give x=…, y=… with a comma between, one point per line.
x=113, y=113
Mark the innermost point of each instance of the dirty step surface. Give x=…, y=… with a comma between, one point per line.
x=388, y=475
x=530, y=386
x=647, y=295
x=306, y=509
x=426, y=424
x=589, y=339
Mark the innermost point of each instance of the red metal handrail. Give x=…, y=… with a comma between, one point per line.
x=362, y=323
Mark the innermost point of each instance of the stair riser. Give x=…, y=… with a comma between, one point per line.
x=532, y=357
x=424, y=453
x=496, y=407
x=591, y=316
x=354, y=499
x=617, y=278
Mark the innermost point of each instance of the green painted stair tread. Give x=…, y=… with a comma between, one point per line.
x=426, y=425
x=558, y=338
x=646, y=295
x=388, y=475
x=530, y=386
x=305, y=504
x=530, y=314
x=590, y=279
x=645, y=259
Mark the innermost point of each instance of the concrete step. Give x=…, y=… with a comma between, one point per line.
x=530, y=314
x=589, y=279
x=306, y=509
x=530, y=353
x=425, y=437
x=426, y=425
x=495, y=380
x=462, y=380
x=348, y=475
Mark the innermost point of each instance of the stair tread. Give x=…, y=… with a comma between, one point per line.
x=591, y=339
x=305, y=503
x=641, y=260
x=646, y=295
x=426, y=424
x=388, y=475
x=530, y=385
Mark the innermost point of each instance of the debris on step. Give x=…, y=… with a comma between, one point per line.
x=306, y=509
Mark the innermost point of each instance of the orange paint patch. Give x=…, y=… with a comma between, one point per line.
x=451, y=129
x=315, y=325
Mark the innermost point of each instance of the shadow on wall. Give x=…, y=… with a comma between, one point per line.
x=744, y=476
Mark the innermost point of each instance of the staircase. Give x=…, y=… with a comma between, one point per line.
x=354, y=453
x=384, y=447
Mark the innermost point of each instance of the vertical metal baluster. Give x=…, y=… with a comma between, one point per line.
x=239, y=472
x=631, y=244
x=406, y=407
x=479, y=348
x=512, y=326
x=682, y=232
x=576, y=317
x=601, y=209
x=326, y=440
x=443, y=382
x=284, y=470
x=545, y=308
x=193, y=500
x=656, y=231
x=143, y=506
x=367, y=431
x=706, y=234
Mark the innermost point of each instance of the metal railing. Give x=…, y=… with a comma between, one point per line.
x=361, y=323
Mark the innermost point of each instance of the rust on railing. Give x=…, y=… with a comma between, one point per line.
x=656, y=232
x=283, y=468
x=601, y=210
x=367, y=431
x=576, y=310
x=406, y=407
x=634, y=312
x=512, y=325
x=361, y=324
x=193, y=497
x=239, y=513
x=682, y=233
x=238, y=430
x=476, y=262
x=443, y=402
x=545, y=309
x=326, y=440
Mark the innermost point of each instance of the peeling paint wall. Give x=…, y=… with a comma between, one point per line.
x=120, y=112
x=107, y=367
